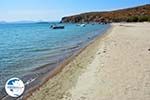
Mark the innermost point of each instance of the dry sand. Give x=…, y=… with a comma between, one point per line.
x=114, y=67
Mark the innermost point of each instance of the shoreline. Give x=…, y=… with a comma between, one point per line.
x=113, y=67
x=51, y=72
x=69, y=60
x=65, y=62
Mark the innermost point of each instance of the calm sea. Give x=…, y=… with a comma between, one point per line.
x=24, y=47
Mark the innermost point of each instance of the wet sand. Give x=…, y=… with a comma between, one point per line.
x=115, y=66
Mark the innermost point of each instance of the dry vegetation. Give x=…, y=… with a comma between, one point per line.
x=136, y=14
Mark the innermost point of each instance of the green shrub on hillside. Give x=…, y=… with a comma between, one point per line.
x=132, y=19
x=143, y=18
x=149, y=19
x=138, y=19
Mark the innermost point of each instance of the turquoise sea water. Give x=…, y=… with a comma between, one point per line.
x=24, y=47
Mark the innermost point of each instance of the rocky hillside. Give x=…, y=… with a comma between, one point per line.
x=135, y=14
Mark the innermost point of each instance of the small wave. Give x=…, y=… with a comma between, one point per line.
x=45, y=65
x=74, y=47
x=39, y=50
x=70, y=48
x=30, y=81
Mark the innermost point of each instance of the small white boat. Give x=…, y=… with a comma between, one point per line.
x=82, y=25
x=57, y=27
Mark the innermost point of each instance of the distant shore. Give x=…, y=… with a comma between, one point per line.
x=113, y=67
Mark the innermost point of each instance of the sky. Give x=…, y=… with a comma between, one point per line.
x=54, y=10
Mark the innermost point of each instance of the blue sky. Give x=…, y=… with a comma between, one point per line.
x=54, y=10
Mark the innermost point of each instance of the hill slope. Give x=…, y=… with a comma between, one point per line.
x=140, y=13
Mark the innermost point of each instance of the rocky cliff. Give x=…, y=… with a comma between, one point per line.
x=140, y=13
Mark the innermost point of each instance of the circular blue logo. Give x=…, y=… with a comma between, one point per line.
x=14, y=87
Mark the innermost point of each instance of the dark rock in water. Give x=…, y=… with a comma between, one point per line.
x=89, y=38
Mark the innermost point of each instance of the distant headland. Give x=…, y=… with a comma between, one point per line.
x=135, y=14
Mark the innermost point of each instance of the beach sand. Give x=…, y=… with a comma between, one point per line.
x=115, y=66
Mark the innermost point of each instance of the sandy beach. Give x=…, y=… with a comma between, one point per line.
x=115, y=66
